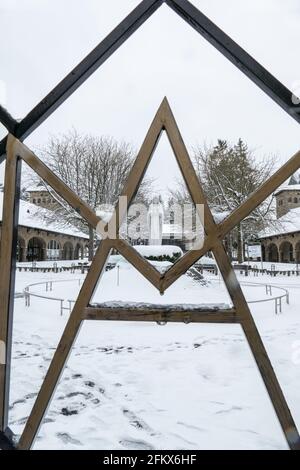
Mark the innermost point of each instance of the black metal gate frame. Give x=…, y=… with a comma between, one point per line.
x=206, y=28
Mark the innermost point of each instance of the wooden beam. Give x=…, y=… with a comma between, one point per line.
x=97, y=57
x=9, y=237
x=258, y=349
x=161, y=314
x=138, y=261
x=55, y=182
x=184, y=263
x=64, y=347
x=258, y=196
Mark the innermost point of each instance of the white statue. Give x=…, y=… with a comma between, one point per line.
x=155, y=221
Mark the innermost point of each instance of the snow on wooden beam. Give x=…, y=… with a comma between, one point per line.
x=160, y=313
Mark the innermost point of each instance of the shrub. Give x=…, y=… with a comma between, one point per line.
x=172, y=259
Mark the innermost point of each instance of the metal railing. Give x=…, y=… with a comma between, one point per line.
x=48, y=288
x=55, y=268
x=269, y=291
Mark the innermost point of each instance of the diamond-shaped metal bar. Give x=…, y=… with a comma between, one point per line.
x=7, y=120
x=203, y=25
x=237, y=55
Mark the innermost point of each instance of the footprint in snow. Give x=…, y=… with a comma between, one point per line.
x=67, y=439
x=135, y=421
x=135, y=445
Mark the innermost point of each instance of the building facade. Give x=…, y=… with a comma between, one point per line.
x=42, y=245
x=41, y=240
x=281, y=243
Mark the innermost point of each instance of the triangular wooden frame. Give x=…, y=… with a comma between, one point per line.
x=240, y=313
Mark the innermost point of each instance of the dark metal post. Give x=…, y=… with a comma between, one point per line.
x=237, y=55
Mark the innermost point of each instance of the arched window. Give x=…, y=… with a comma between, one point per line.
x=34, y=201
x=53, y=245
x=295, y=200
x=289, y=199
x=53, y=250
x=39, y=201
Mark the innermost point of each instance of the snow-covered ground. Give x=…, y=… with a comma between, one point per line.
x=144, y=386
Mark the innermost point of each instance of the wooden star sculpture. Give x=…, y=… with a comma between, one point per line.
x=214, y=234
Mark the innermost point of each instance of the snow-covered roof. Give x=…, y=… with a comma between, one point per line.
x=288, y=223
x=287, y=187
x=158, y=250
x=32, y=216
x=177, y=229
x=35, y=189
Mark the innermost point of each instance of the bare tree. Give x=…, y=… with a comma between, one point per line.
x=95, y=168
x=229, y=174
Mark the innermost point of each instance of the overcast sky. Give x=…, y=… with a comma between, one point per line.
x=42, y=40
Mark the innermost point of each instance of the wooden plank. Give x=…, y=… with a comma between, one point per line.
x=160, y=315
x=9, y=236
x=64, y=347
x=258, y=349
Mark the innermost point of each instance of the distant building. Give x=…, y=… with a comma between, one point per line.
x=39, y=240
x=162, y=228
x=39, y=196
x=288, y=197
x=281, y=243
